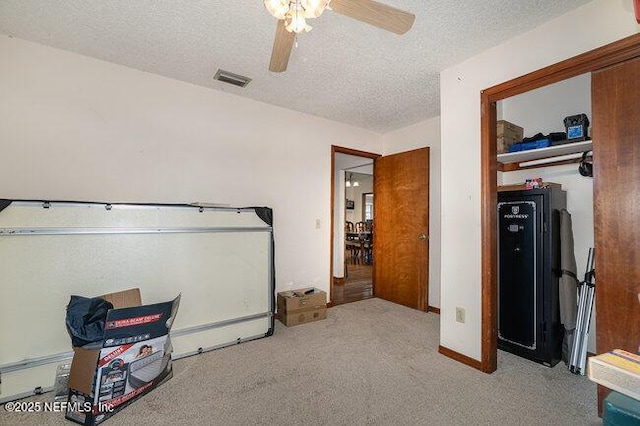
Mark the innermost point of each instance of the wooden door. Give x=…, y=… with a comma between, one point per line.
x=615, y=95
x=401, y=228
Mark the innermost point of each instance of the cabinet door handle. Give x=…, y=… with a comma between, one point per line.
x=422, y=237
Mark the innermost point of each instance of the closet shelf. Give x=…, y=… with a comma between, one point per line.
x=553, y=154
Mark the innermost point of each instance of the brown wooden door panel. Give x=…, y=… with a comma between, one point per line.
x=401, y=215
x=615, y=95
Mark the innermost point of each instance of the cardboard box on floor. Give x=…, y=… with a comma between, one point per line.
x=302, y=306
x=133, y=358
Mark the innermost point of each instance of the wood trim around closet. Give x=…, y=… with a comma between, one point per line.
x=602, y=57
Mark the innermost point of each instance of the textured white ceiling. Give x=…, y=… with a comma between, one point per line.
x=342, y=70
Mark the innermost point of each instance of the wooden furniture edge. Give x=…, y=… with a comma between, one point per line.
x=433, y=309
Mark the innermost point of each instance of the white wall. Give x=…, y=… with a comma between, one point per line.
x=76, y=128
x=590, y=26
x=420, y=135
x=365, y=185
x=543, y=110
x=338, y=223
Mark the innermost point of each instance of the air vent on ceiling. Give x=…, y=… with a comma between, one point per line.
x=231, y=78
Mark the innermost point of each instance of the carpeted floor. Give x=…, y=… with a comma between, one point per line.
x=370, y=362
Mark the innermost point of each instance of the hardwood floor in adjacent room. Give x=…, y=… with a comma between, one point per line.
x=358, y=284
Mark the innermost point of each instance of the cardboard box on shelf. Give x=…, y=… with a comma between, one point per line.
x=301, y=306
x=509, y=130
x=504, y=142
x=133, y=358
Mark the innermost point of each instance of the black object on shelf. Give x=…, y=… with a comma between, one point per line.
x=553, y=137
x=528, y=264
x=540, y=140
x=577, y=127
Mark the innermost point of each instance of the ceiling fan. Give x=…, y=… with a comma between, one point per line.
x=292, y=16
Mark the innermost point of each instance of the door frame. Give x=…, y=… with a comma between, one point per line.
x=602, y=57
x=349, y=151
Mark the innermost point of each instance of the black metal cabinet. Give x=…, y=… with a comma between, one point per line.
x=528, y=271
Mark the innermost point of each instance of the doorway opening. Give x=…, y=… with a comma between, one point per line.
x=595, y=60
x=352, y=218
x=529, y=256
x=395, y=243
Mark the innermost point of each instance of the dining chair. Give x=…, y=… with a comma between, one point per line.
x=352, y=242
x=367, y=248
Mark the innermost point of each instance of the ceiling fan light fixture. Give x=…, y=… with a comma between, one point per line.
x=295, y=22
x=293, y=15
x=277, y=8
x=313, y=8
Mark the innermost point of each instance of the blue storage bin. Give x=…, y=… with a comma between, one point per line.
x=620, y=410
x=525, y=146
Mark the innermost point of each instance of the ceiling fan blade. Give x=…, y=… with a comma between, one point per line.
x=282, y=46
x=376, y=14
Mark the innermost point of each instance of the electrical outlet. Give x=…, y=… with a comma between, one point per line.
x=317, y=223
x=460, y=315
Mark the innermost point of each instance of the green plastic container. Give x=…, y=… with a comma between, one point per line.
x=620, y=410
